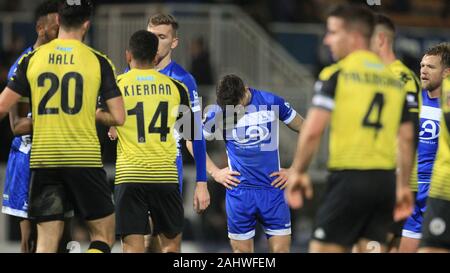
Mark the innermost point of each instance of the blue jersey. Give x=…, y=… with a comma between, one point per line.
x=430, y=115
x=18, y=141
x=251, y=139
x=17, y=176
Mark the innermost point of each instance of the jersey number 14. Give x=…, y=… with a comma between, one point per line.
x=161, y=111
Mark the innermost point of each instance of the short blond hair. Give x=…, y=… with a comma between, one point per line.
x=163, y=19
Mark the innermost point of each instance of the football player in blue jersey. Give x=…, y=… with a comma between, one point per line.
x=165, y=27
x=432, y=73
x=15, y=194
x=247, y=120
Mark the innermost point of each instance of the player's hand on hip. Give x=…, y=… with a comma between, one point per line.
x=298, y=187
x=112, y=133
x=404, y=204
x=201, y=197
x=226, y=178
x=281, y=180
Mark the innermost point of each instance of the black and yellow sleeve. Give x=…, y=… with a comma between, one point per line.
x=108, y=86
x=19, y=82
x=325, y=90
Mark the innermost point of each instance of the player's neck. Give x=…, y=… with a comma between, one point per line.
x=387, y=56
x=37, y=44
x=71, y=34
x=436, y=93
x=164, y=62
x=140, y=65
x=248, y=97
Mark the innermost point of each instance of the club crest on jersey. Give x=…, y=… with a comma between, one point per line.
x=430, y=130
x=251, y=136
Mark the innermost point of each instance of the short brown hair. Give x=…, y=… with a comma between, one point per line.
x=230, y=90
x=443, y=50
x=164, y=19
x=356, y=17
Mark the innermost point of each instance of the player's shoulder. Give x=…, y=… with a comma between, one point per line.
x=103, y=58
x=183, y=75
x=122, y=76
x=399, y=68
x=328, y=71
x=13, y=68
x=29, y=53
x=267, y=96
x=181, y=86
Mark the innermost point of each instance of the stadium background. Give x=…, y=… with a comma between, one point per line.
x=274, y=45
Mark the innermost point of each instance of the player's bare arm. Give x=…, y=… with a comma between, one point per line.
x=224, y=176
x=405, y=202
x=308, y=143
x=7, y=99
x=296, y=124
x=116, y=114
x=20, y=124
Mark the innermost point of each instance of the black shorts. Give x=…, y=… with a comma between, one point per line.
x=135, y=202
x=436, y=224
x=356, y=205
x=56, y=191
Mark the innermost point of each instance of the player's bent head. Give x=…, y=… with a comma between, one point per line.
x=143, y=46
x=230, y=91
x=74, y=14
x=356, y=19
x=163, y=19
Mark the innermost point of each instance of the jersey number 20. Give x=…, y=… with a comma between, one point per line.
x=54, y=86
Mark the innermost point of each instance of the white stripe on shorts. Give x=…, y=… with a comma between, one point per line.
x=411, y=234
x=278, y=232
x=242, y=237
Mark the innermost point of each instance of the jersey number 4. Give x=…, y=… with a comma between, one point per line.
x=161, y=111
x=54, y=86
x=373, y=119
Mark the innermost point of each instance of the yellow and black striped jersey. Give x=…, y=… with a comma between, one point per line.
x=147, y=148
x=440, y=181
x=368, y=104
x=64, y=79
x=412, y=88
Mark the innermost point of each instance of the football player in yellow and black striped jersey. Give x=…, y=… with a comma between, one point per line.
x=63, y=79
x=383, y=45
x=436, y=224
x=146, y=171
x=366, y=107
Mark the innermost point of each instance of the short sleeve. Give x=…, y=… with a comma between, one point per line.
x=324, y=92
x=286, y=112
x=19, y=82
x=108, y=86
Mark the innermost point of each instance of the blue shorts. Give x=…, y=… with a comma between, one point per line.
x=267, y=205
x=15, y=194
x=413, y=225
x=179, y=162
